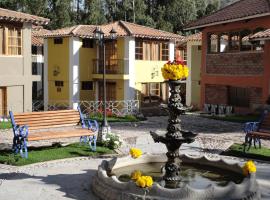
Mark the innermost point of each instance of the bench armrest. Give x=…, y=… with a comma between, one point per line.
x=21, y=131
x=91, y=124
x=251, y=126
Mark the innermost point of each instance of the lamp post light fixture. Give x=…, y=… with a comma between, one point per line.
x=99, y=36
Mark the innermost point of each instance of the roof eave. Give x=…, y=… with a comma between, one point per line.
x=227, y=21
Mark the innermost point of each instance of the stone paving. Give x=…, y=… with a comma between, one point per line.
x=71, y=178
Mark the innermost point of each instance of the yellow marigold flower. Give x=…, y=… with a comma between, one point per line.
x=174, y=71
x=135, y=153
x=136, y=174
x=144, y=181
x=249, y=167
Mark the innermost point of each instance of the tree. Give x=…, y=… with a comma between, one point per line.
x=59, y=11
x=95, y=13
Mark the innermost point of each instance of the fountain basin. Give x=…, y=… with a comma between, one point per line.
x=107, y=186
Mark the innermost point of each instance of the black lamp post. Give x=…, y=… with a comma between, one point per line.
x=99, y=36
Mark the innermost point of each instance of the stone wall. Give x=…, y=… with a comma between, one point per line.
x=241, y=63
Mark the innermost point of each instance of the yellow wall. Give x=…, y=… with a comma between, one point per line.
x=58, y=57
x=144, y=70
x=86, y=70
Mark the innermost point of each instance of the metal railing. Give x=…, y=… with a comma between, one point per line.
x=113, y=66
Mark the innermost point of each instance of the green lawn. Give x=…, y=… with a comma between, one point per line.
x=128, y=118
x=5, y=125
x=236, y=118
x=51, y=153
x=237, y=151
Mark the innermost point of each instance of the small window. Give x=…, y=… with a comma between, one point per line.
x=87, y=85
x=59, y=83
x=58, y=40
x=34, y=50
x=87, y=43
x=139, y=50
x=165, y=51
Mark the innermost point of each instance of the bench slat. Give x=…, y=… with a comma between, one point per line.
x=44, y=115
x=47, y=121
x=48, y=127
x=59, y=134
x=44, y=112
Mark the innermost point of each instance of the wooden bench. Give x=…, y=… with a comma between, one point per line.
x=255, y=131
x=34, y=126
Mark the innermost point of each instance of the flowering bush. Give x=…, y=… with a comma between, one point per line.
x=249, y=167
x=176, y=70
x=135, y=153
x=144, y=181
x=112, y=141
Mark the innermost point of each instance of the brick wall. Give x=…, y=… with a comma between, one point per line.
x=218, y=94
x=240, y=63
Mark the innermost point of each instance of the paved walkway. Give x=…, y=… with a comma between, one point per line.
x=71, y=178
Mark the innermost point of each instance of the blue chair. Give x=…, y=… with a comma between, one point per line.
x=20, y=134
x=90, y=125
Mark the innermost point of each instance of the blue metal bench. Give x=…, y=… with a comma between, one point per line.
x=250, y=128
x=47, y=125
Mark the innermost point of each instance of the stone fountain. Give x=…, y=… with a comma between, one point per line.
x=107, y=185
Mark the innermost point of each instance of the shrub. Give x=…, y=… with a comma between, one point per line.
x=112, y=141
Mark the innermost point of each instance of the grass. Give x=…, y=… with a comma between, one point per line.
x=51, y=153
x=236, y=150
x=127, y=118
x=236, y=118
x=5, y=125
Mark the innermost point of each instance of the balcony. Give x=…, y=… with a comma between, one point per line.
x=115, y=69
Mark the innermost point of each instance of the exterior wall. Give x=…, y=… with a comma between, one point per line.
x=58, y=60
x=257, y=74
x=16, y=75
x=86, y=70
x=193, y=87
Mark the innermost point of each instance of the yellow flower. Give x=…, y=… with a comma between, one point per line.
x=174, y=71
x=136, y=174
x=249, y=167
x=144, y=181
x=135, y=153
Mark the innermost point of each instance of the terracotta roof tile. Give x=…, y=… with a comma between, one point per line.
x=37, y=35
x=237, y=11
x=10, y=15
x=194, y=37
x=261, y=35
x=122, y=29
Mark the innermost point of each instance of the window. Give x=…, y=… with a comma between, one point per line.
x=87, y=85
x=238, y=96
x=151, y=92
x=87, y=43
x=10, y=40
x=59, y=83
x=151, y=50
x=34, y=50
x=34, y=68
x=139, y=50
x=58, y=40
x=165, y=51
x=244, y=39
x=3, y=101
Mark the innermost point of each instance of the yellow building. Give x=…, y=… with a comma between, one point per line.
x=73, y=63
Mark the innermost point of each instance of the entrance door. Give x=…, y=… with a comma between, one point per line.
x=110, y=91
x=3, y=101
